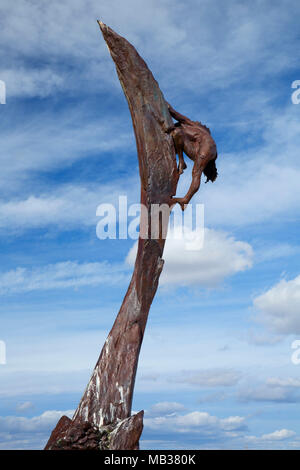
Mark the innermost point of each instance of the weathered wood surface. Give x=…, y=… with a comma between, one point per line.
x=108, y=397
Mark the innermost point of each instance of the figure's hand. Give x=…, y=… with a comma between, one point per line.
x=180, y=200
x=168, y=129
x=169, y=106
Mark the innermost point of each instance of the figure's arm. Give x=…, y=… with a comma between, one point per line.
x=179, y=117
x=199, y=166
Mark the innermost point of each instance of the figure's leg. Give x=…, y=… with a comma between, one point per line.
x=181, y=163
x=178, y=142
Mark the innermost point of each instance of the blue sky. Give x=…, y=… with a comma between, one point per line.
x=215, y=369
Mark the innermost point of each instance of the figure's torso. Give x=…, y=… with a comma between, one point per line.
x=197, y=140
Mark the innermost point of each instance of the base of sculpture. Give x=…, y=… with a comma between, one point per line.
x=84, y=436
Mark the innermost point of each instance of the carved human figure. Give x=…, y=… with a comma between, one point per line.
x=195, y=140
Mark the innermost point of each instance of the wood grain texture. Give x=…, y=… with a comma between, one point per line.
x=108, y=397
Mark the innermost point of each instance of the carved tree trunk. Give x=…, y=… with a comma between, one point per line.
x=106, y=403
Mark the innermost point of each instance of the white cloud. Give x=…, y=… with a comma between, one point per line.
x=279, y=435
x=25, y=406
x=279, y=307
x=233, y=423
x=69, y=206
x=197, y=421
x=49, y=141
x=275, y=251
x=29, y=433
x=16, y=424
x=220, y=257
x=68, y=274
x=269, y=392
x=287, y=382
x=20, y=432
x=42, y=33
x=248, y=41
x=40, y=83
x=32, y=433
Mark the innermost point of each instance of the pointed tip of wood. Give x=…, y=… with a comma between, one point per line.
x=109, y=34
x=106, y=30
x=101, y=24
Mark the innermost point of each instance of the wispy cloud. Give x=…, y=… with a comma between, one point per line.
x=210, y=378
x=270, y=391
x=260, y=183
x=50, y=141
x=284, y=382
x=68, y=274
x=248, y=40
x=65, y=207
x=24, y=407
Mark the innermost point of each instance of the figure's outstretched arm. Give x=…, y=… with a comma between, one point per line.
x=179, y=117
x=199, y=166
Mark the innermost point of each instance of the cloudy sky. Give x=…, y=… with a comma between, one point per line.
x=219, y=365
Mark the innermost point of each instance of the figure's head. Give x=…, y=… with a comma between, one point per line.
x=211, y=171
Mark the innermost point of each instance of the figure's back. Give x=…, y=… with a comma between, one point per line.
x=197, y=139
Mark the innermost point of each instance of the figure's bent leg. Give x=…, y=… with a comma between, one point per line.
x=178, y=142
x=181, y=163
